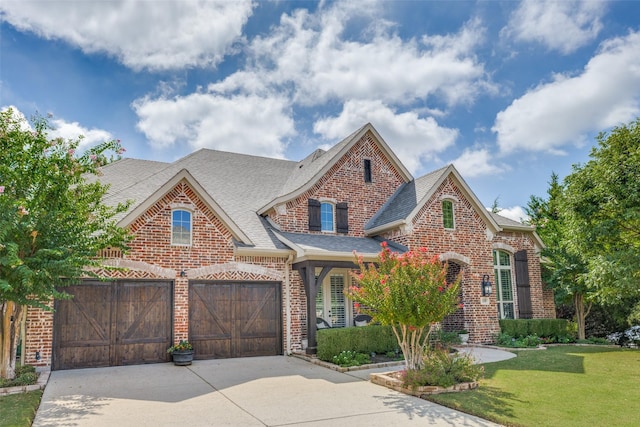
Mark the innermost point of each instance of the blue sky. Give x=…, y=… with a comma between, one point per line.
x=508, y=92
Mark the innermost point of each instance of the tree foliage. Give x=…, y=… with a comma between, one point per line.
x=52, y=219
x=409, y=292
x=590, y=224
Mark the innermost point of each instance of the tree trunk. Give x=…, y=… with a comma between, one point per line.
x=9, y=333
x=581, y=314
x=413, y=344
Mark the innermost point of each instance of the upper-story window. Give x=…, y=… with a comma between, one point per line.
x=327, y=217
x=447, y=214
x=180, y=227
x=367, y=170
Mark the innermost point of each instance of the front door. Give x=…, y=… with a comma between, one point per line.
x=331, y=303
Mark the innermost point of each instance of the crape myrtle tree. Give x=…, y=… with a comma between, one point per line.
x=593, y=224
x=52, y=220
x=409, y=292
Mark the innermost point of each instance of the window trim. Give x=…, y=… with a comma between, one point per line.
x=324, y=203
x=181, y=209
x=453, y=216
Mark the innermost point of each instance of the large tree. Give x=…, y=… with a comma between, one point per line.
x=593, y=220
x=53, y=223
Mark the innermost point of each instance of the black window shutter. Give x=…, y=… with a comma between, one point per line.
x=522, y=284
x=314, y=215
x=342, y=218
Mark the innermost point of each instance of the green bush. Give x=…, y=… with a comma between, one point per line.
x=351, y=358
x=24, y=369
x=441, y=369
x=550, y=330
x=25, y=375
x=367, y=339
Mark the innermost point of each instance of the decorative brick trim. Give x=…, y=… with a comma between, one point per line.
x=450, y=256
x=128, y=264
x=504, y=247
x=230, y=267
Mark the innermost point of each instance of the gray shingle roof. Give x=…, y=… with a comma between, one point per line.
x=333, y=243
x=405, y=199
x=509, y=223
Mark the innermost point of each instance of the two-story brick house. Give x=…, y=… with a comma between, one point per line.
x=241, y=254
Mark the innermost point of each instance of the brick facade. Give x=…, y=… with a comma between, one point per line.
x=213, y=255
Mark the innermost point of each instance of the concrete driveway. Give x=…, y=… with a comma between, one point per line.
x=257, y=391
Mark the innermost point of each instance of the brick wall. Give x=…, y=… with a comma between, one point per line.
x=344, y=182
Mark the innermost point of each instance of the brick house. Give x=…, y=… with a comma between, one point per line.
x=242, y=254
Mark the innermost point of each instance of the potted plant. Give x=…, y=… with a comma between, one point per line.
x=464, y=336
x=182, y=353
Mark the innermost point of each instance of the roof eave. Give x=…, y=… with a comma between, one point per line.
x=376, y=231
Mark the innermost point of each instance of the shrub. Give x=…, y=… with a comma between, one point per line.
x=550, y=330
x=628, y=338
x=25, y=375
x=367, y=339
x=507, y=340
x=24, y=368
x=441, y=369
x=351, y=358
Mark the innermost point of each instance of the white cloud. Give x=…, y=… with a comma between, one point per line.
x=241, y=123
x=412, y=138
x=141, y=34
x=564, y=25
x=478, y=162
x=311, y=57
x=73, y=130
x=65, y=130
x=516, y=213
x=564, y=111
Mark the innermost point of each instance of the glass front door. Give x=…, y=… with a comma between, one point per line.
x=331, y=302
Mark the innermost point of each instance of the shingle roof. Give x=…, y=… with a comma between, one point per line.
x=342, y=244
x=239, y=183
x=405, y=200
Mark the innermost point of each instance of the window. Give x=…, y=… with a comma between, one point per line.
x=504, y=284
x=326, y=217
x=367, y=170
x=447, y=214
x=180, y=227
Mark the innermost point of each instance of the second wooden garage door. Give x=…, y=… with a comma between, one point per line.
x=235, y=319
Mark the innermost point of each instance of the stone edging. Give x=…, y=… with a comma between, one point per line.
x=342, y=369
x=43, y=378
x=385, y=379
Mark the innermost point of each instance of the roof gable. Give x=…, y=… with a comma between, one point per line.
x=403, y=206
x=311, y=169
x=184, y=175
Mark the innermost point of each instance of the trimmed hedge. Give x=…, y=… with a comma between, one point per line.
x=551, y=328
x=366, y=339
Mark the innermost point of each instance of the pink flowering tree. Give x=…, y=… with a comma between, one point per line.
x=409, y=292
x=52, y=220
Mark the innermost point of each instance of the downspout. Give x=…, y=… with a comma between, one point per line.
x=287, y=291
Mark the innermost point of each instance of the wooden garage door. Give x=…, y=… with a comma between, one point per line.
x=113, y=323
x=235, y=319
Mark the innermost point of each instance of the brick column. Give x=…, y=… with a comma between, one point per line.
x=180, y=308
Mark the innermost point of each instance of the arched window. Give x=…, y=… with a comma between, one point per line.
x=327, y=217
x=504, y=284
x=447, y=214
x=180, y=227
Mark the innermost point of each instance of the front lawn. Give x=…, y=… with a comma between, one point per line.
x=561, y=386
x=18, y=410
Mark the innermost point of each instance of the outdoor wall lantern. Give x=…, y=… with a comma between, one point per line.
x=183, y=273
x=486, y=286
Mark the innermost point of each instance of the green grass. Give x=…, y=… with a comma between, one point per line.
x=18, y=410
x=561, y=386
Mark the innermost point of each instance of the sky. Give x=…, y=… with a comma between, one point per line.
x=509, y=92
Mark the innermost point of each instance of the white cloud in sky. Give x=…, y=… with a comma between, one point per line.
x=413, y=139
x=65, y=130
x=562, y=112
x=140, y=34
x=242, y=123
x=516, y=213
x=478, y=162
x=73, y=130
x=309, y=60
x=563, y=26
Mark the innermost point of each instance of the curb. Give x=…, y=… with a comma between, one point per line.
x=43, y=378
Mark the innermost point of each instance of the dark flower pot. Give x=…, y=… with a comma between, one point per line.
x=182, y=358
